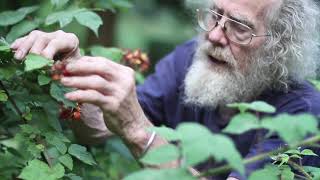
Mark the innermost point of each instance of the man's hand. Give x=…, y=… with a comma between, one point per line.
x=110, y=86
x=47, y=45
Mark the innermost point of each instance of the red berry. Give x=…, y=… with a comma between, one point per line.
x=55, y=77
x=76, y=115
x=65, y=73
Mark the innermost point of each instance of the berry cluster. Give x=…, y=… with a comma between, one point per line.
x=58, y=70
x=70, y=113
x=136, y=60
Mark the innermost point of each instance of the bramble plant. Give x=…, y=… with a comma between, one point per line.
x=35, y=142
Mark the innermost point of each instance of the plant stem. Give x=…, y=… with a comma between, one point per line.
x=225, y=168
x=11, y=100
x=300, y=169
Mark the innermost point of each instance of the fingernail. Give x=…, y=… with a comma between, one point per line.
x=19, y=54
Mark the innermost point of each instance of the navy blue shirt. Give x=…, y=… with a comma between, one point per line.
x=161, y=97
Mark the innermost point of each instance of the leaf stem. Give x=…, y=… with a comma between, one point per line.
x=225, y=168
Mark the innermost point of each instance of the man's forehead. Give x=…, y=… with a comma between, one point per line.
x=253, y=9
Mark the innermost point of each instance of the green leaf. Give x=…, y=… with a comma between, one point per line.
x=37, y=169
x=89, y=19
x=151, y=174
x=197, y=146
x=3, y=96
x=160, y=155
x=7, y=72
x=316, y=84
x=242, y=123
x=166, y=133
x=28, y=129
x=81, y=153
x=258, y=106
x=63, y=17
x=34, y=62
x=57, y=91
x=308, y=152
x=122, y=3
x=293, y=151
x=59, y=3
x=67, y=161
x=43, y=80
x=291, y=128
x=73, y=176
x=287, y=174
x=21, y=29
x=12, y=17
x=268, y=173
x=57, y=142
x=113, y=54
x=139, y=77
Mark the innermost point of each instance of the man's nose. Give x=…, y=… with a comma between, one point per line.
x=217, y=35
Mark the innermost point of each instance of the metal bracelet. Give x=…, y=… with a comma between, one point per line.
x=148, y=145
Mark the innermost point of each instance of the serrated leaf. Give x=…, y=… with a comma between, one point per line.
x=198, y=144
x=160, y=155
x=3, y=96
x=21, y=29
x=308, y=152
x=113, y=54
x=81, y=153
x=89, y=19
x=12, y=17
x=166, y=133
x=291, y=128
x=43, y=80
x=151, y=174
x=34, y=62
x=57, y=142
x=268, y=173
x=67, y=161
x=37, y=169
x=292, y=151
x=242, y=123
x=57, y=91
x=63, y=17
x=258, y=106
x=28, y=129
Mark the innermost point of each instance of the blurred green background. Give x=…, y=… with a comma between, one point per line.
x=155, y=26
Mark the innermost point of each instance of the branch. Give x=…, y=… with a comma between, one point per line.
x=225, y=168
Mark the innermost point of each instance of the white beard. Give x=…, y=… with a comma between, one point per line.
x=209, y=86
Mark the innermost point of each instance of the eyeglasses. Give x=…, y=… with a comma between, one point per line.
x=235, y=31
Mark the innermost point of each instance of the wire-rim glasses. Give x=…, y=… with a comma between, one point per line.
x=235, y=31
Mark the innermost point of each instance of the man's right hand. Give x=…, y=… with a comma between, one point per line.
x=66, y=45
x=91, y=129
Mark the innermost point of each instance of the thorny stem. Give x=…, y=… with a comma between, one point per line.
x=300, y=169
x=225, y=168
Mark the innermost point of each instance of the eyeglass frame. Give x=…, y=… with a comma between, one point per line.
x=224, y=28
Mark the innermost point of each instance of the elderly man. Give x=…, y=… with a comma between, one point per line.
x=247, y=50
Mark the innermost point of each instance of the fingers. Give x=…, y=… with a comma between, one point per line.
x=46, y=44
x=94, y=65
x=94, y=82
x=94, y=97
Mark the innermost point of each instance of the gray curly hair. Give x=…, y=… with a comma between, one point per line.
x=293, y=51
